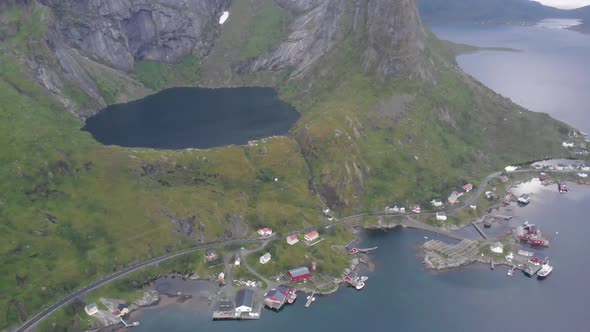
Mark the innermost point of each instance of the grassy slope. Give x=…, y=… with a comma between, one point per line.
x=107, y=210
x=110, y=211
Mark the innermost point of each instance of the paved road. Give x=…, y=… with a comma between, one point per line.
x=67, y=299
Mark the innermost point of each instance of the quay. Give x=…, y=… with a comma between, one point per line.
x=479, y=230
x=310, y=299
x=235, y=315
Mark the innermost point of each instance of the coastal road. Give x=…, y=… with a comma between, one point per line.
x=101, y=282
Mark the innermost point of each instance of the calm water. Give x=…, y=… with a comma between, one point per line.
x=194, y=118
x=401, y=296
x=552, y=75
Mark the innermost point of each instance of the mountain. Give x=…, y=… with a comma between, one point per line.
x=386, y=116
x=497, y=11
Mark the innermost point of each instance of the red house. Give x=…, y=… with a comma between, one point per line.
x=299, y=274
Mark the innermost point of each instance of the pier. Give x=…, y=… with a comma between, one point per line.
x=310, y=299
x=479, y=230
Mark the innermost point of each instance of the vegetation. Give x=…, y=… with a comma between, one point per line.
x=158, y=75
x=73, y=210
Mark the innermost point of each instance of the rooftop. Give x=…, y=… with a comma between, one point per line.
x=245, y=297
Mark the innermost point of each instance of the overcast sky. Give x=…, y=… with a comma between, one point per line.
x=565, y=4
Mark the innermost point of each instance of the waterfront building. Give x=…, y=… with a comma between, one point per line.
x=244, y=300
x=299, y=274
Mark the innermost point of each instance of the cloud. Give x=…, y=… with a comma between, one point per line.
x=565, y=4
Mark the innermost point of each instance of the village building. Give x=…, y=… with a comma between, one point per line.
x=311, y=236
x=583, y=175
x=416, y=208
x=299, y=274
x=238, y=261
x=265, y=258
x=244, y=300
x=524, y=199
x=123, y=309
x=91, y=309
x=507, y=198
x=562, y=186
x=292, y=239
x=510, y=168
x=543, y=176
x=568, y=144
x=584, y=167
x=436, y=202
x=274, y=299
x=392, y=209
x=265, y=232
x=489, y=195
x=468, y=187
x=211, y=255
x=441, y=216
x=497, y=248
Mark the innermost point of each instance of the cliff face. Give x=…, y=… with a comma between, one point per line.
x=389, y=36
x=118, y=32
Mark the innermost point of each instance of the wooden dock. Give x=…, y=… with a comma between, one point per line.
x=234, y=315
x=310, y=299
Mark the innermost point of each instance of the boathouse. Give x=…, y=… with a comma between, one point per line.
x=274, y=299
x=524, y=199
x=244, y=300
x=562, y=186
x=299, y=274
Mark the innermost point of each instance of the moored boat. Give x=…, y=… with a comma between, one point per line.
x=545, y=270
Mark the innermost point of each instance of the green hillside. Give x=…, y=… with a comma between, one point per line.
x=72, y=210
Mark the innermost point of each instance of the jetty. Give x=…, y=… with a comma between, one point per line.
x=234, y=315
x=310, y=299
x=134, y=324
x=479, y=230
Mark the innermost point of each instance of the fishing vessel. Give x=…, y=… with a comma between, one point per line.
x=545, y=270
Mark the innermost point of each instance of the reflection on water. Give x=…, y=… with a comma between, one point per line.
x=558, y=23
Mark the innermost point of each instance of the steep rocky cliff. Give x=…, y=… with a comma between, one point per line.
x=118, y=32
x=388, y=35
x=114, y=34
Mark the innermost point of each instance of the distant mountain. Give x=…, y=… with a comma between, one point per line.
x=496, y=11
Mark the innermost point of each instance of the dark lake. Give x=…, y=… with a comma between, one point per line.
x=180, y=118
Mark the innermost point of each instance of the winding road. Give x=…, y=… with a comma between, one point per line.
x=101, y=282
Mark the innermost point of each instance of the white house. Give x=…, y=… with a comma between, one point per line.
x=568, y=144
x=584, y=168
x=292, y=239
x=265, y=258
x=91, y=309
x=392, y=209
x=497, y=248
x=583, y=175
x=441, y=216
x=237, y=262
x=265, y=232
x=510, y=168
x=436, y=202
x=326, y=211
x=244, y=300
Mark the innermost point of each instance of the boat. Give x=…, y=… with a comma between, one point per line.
x=545, y=270
x=525, y=253
x=535, y=261
x=360, y=285
x=510, y=273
